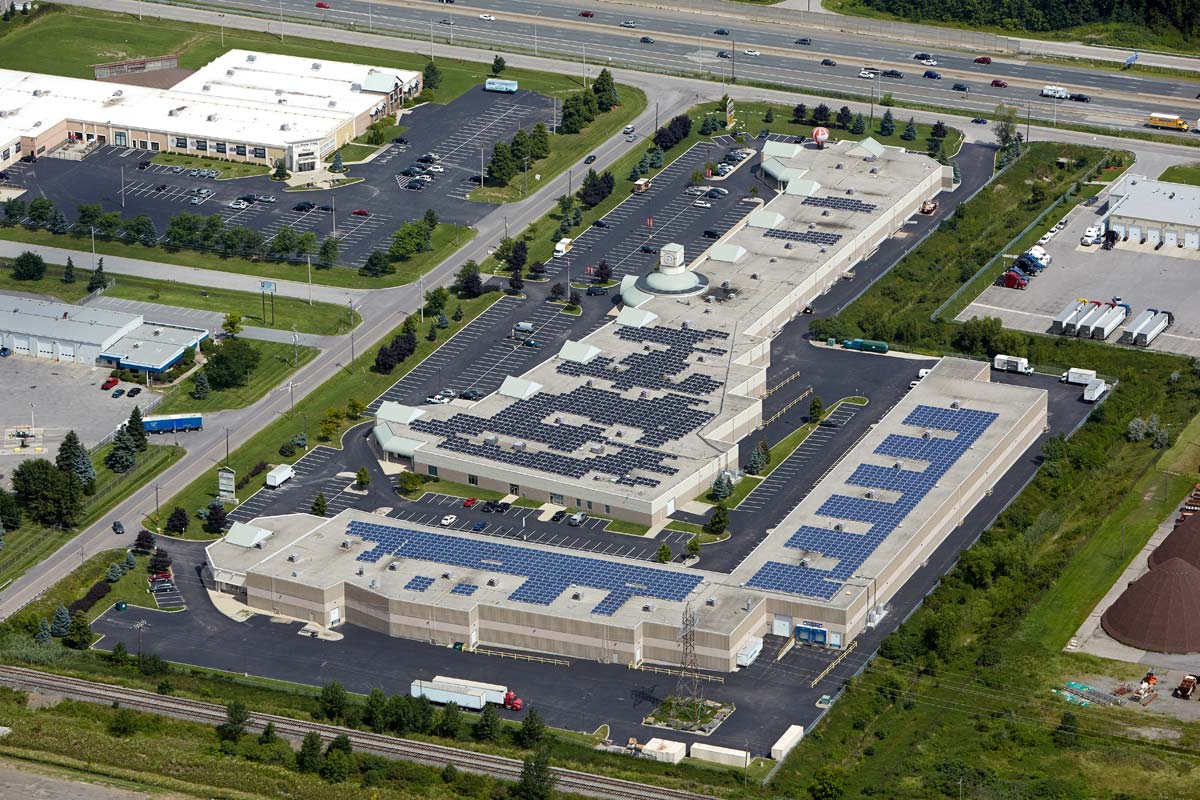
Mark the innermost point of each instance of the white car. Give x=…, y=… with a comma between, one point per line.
x=866, y=73
x=437, y=168
x=487, y=17
x=751, y=53
x=702, y=204
x=631, y=138
x=929, y=62
x=437, y=400
x=449, y=520
x=239, y=205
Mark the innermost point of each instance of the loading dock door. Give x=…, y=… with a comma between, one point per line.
x=807, y=633
x=21, y=344
x=1119, y=227
x=1153, y=236
x=781, y=625
x=1171, y=239
x=66, y=352
x=45, y=349
x=1191, y=239
x=1135, y=233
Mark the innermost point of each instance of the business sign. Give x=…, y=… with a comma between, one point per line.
x=267, y=286
x=227, y=484
x=729, y=113
x=808, y=623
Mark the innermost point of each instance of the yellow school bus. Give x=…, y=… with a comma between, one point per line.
x=1167, y=121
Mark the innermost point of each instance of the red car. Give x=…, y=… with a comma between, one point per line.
x=161, y=576
x=108, y=384
x=983, y=60
x=999, y=84
x=588, y=14
x=361, y=212
x=469, y=502
x=322, y=5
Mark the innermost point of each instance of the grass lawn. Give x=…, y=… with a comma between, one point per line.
x=51, y=283
x=31, y=543
x=357, y=381
x=455, y=490
x=352, y=151
x=338, y=276
x=133, y=588
x=275, y=365
x=750, y=119
x=229, y=169
x=568, y=149
x=1182, y=173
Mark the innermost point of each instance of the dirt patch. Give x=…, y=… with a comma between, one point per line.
x=1157, y=734
x=38, y=700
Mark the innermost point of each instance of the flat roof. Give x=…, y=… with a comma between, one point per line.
x=154, y=345
x=1139, y=197
x=63, y=321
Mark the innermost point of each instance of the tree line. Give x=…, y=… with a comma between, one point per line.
x=1037, y=15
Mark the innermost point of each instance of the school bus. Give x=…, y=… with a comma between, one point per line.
x=1170, y=121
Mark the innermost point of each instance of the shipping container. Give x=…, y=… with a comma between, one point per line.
x=442, y=694
x=1080, y=377
x=1094, y=390
x=784, y=744
x=493, y=693
x=720, y=755
x=1139, y=322
x=1069, y=312
x=750, y=651
x=1072, y=325
x=866, y=345
x=1153, y=328
x=165, y=423
x=1108, y=323
x=1083, y=326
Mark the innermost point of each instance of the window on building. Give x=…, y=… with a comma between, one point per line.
x=5, y=154
x=202, y=145
x=154, y=147
x=241, y=149
x=260, y=152
x=220, y=146
x=589, y=505
x=607, y=509
x=578, y=503
x=557, y=499
x=119, y=138
x=181, y=142
x=432, y=471
x=473, y=480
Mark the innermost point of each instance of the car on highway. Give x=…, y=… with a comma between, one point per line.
x=470, y=501
x=590, y=159
x=724, y=54
x=804, y=40
x=449, y=520
x=361, y=212
x=933, y=75
x=587, y=14
x=867, y=73
x=478, y=526
x=238, y=205
x=751, y=52
x=979, y=121
x=118, y=392
x=929, y=62
x=487, y=17
x=109, y=383
x=892, y=73
x=960, y=87
x=828, y=62
x=721, y=31
x=447, y=21
x=631, y=137
x=983, y=59
x=1080, y=98
x=134, y=392
x=921, y=56
x=322, y=5
x=647, y=40
x=999, y=84
x=628, y=23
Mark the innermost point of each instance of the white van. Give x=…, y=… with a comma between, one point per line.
x=576, y=519
x=628, y=129
x=523, y=328
x=1055, y=91
x=562, y=248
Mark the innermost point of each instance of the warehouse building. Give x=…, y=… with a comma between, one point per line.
x=821, y=575
x=1146, y=211
x=242, y=106
x=644, y=414
x=81, y=335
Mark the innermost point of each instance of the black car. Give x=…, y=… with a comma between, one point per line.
x=134, y=392
x=559, y=516
x=804, y=41
x=3, y=175
x=979, y=121
x=600, y=223
x=428, y=158
x=922, y=57
x=714, y=194
x=162, y=187
x=828, y=62
x=828, y=423
x=892, y=73
x=590, y=160
x=723, y=54
x=324, y=208
x=1081, y=98
x=399, y=140
x=143, y=164
x=471, y=394
x=712, y=234
x=597, y=290
x=647, y=40
x=415, y=186
x=118, y=528
x=246, y=198
x=29, y=159
x=721, y=31
x=305, y=206
x=488, y=507
x=502, y=507
x=960, y=87
x=649, y=248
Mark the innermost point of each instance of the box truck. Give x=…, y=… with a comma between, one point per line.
x=562, y=248
x=1094, y=390
x=1012, y=364
x=280, y=475
x=1080, y=377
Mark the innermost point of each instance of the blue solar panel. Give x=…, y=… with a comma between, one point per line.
x=547, y=574
x=419, y=583
x=940, y=453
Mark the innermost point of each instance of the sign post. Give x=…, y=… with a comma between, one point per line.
x=265, y=287
x=227, y=484
x=729, y=113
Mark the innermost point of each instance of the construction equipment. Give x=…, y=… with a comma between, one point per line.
x=1145, y=693
x=1186, y=687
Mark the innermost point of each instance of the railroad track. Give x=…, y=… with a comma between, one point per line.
x=436, y=755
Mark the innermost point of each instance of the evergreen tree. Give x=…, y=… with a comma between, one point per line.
x=515, y=283
x=234, y=726
x=754, y=464
x=130, y=561
x=722, y=487
x=765, y=449
x=537, y=781
x=268, y=736
x=216, y=519
x=161, y=560
x=318, y=506
x=693, y=546
x=144, y=542
x=887, y=125
x=487, y=727
x=61, y=624
x=605, y=89
x=844, y=117
x=468, y=281
x=362, y=478
x=859, y=125
x=310, y=758
x=431, y=334
x=457, y=316
x=137, y=430
x=43, y=636
x=432, y=76
x=539, y=141
x=502, y=167
x=178, y=521
x=939, y=130
x=910, y=130
x=79, y=632
x=816, y=409
x=520, y=148
x=98, y=280
x=719, y=520
x=72, y=457
x=799, y=113
x=114, y=573
x=201, y=389
x=337, y=165
x=532, y=730
x=498, y=65
x=123, y=455
x=385, y=360
x=442, y=321
x=69, y=271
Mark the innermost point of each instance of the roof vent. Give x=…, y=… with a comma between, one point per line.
x=491, y=581
x=251, y=58
x=372, y=583
x=446, y=575
x=356, y=87
x=617, y=434
x=228, y=73
x=294, y=573
x=897, y=465
x=576, y=595
x=519, y=447
x=345, y=544
x=648, y=607
x=285, y=127
x=37, y=92
x=837, y=526
x=840, y=166
x=812, y=225
x=292, y=557
x=925, y=435
x=806, y=562
x=333, y=103
x=754, y=275
x=206, y=88
x=117, y=93
x=825, y=212
x=684, y=325
x=395, y=565
x=643, y=394
x=491, y=439
x=749, y=602
x=316, y=65
x=870, y=495
x=174, y=112
x=589, y=381
x=954, y=405
x=874, y=170
x=282, y=101
x=850, y=191
x=597, y=448
x=1172, y=196
x=213, y=117
x=710, y=602
x=360, y=571
x=558, y=420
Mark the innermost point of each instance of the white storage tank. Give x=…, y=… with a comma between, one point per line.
x=720, y=755
x=665, y=750
x=784, y=744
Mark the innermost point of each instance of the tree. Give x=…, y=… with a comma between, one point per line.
x=859, y=125
x=442, y=321
x=48, y=495
x=938, y=131
x=574, y=115
x=719, y=521
x=430, y=218
x=539, y=141
x=515, y=283
x=337, y=165
x=114, y=573
x=234, y=726
x=844, y=117
x=532, y=730
x=232, y=324
x=232, y=364
x=557, y=291
x=10, y=512
x=130, y=561
x=603, y=272
x=1037, y=195
x=887, y=125
x=537, y=781
x=29, y=266
x=341, y=744
x=487, y=727
x=310, y=758
x=663, y=554
x=574, y=299
x=354, y=408
x=43, y=636
x=769, y=116
x=828, y=783
x=376, y=713
x=431, y=335
x=144, y=542
x=68, y=275
x=41, y=211
x=178, y=521
x=457, y=316
x=327, y=256
x=1004, y=123
x=910, y=130
x=201, y=388
x=467, y=281
x=136, y=429
x=337, y=767
x=520, y=149
x=61, y=625
x=722, y=487
x=161, y=560
x=498, y=65
x=449, y=722
x=306, y=244
x=432, y=76
x=435, y=301
x=605, y=89
x=268, y=735
x=820, y=114
x=385, y=360
x=537, y=270
x=333, y=701
x=362, y=478
x=79, y=634
x=816, y=409
x=72, y=457
x=318, y=506
x=215, y=521
x=280, y=173
x=799, y=113
x=376, y=265
x=518, y=256
x=14, y=211
x=754, y=464
x=502, y=166
x=410, y=239
x=1067, y=732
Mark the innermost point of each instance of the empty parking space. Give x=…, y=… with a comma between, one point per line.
x=281, y=500
x=169, y=600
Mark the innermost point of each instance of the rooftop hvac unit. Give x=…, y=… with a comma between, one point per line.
x=643, y=394
x=446, y=575
x=333, y=103
x=519, y=447
x=258, y=545
x=285, y=127
x=316, y=65
x=213, y=117
x=490, y=438
x=117, y=93
x=700, y=359
x=646, y=347
x=825, y=212
x=558, y=420
x=279, y=92
x=684, y=325
x=292, y=557
x=806, y=562
x=874, y=170
x=174, y=112
x=282, y=101
x=812, y=225
x=136, y=345
x=840, y=166
x=589, y=381
x=710, y=602
x=372, y=583
x=37, y=92
x=648, y=607
x=850, y=191
x=491, y=581
x=749, y=602
x=395, y=565
x=837, y=526
x=295, y=574
x=870, y=495
x=926, y=435
x=359, y=572
x=206, y=88
x=228, y=73
x=576, y=595
x=251, y=58
x=356, y=87
x=597, y=448
x=345, y=544
x=618, y=434
x=897, y=465
x=954, y=405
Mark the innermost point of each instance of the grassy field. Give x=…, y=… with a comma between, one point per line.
x=31, y=543
x=1182, y=173
x=352, y=151
x=357, y=381
x=324, y=319
x=750, y=119
x=277, y=362
x=447, y=239
x=567, y=149
x=229, y=169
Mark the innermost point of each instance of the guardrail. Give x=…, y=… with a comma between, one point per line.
x=700, y=676
x=554, y=662
x=833, y=664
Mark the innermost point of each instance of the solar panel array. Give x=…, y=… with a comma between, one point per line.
x=547, y=574
x=660, y=367
x=465, y=588
x=852, y=549
x=419, y=583
x=841, y=204
x=805, y=237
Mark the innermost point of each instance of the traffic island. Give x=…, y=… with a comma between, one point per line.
x=693, y=715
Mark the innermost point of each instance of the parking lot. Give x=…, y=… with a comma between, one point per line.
x=1136, y=273
x=457, y=133
x=56, y=398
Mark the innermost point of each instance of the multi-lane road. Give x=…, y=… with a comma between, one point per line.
x=688, y=43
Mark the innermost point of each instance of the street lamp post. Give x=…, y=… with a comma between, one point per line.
x=221, y=24
x=32, y=426
x=281, y=20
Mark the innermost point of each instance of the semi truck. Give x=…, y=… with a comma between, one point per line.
x=1012, y=280
x=492, y=693
x=1012, y=364
x=1077, y=376
x=1069, y=313
x=1159, y=323
x=168, y=423
x=468, y=694
x=1139, y=322
x=866, y=345
x=1083, y=327
x=1114, y=316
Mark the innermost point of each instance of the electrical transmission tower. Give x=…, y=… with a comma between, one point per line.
x=688, y=690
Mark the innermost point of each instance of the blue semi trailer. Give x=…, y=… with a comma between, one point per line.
x=167, y=423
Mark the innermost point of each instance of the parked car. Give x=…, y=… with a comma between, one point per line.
x=710, y=233
x=437, y=168
x=558, y=516
x=488, y=506
x=238, y=205
x=983, y=59
x=828, y=62
x=597, y=290
x=448, y=520
x=399, y=140
x=134, y=392
x=502, y=506
x=428, y=158
x=162, y=586
x=471, y=394
x=470, y=502
x=999, y=84
x=361, y=212
x=161, y=576
x=162, y=187
x=197, y=200
x=177, y=169
x=266, y=198
x=702, y=204
x=478, y=526
x=305, y=206
x=109, y=383
x=649, y=248
x=118, y=528
x=600, y=223
x=534, y=343
x=118, y=392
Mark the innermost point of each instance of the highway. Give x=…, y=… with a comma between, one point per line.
x=687, y=43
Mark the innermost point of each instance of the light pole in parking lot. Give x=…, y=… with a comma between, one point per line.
x=221, y=25
x=281, y=20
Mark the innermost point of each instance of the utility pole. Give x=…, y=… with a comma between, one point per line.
x=370, y=18
x=139, y=626
x=1028, y=117
x=227, y=447
x=122, y=186
x=295, y=349
x=431, y=38
x=308, y=258
x=281, y=20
